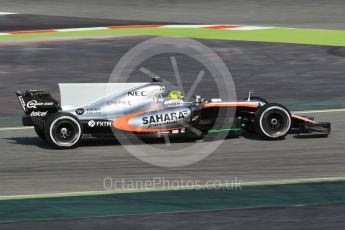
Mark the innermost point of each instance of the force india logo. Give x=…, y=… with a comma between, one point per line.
x=167, y=118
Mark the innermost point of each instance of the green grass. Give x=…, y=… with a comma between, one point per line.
x=283, y=35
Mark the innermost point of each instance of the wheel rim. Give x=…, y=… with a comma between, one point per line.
x=65, y=131
x=275, y=122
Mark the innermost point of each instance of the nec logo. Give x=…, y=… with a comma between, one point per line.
x=137, y=93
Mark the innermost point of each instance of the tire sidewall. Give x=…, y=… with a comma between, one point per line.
x=260, y=114
x=52, y=121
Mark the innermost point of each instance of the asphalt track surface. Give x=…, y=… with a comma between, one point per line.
x=19, y=22
x=295, y=13
x=28, y=166
x=304, y=217
x=308, y=77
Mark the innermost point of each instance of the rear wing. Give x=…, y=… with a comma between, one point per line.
x=35, y=101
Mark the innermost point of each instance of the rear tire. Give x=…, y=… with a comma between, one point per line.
x=63, y=131
x=272, y=121
x=40, y=132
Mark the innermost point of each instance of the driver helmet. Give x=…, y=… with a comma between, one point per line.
x=175, y=95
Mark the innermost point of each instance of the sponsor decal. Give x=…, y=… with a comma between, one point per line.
x=33, y=104
x=195, y=118
x=137, y=93
x=118, y=102
x=93, y=123
x=22, y=102
x=122, y=123
x=163, y=119
x=173, y=102
x=80, y=111
x=38, y=113
x=93, y=111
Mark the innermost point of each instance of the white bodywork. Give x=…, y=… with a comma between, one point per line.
x=76, y=95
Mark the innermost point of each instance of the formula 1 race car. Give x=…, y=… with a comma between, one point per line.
x=103, y=109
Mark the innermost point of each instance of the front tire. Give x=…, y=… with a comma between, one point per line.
x=63, y=131
x=272, y=121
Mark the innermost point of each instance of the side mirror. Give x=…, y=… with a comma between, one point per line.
x=156, y=79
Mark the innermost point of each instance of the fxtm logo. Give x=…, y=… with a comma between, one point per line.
x=93, y=123
x=137, y=93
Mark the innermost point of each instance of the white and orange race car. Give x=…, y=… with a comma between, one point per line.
x=105, y=109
